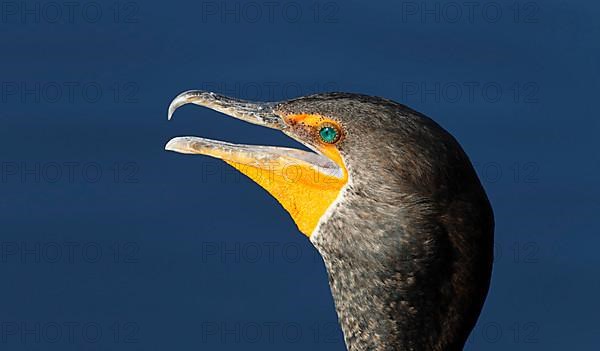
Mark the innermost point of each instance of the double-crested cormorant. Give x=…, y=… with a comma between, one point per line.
x=389, y=199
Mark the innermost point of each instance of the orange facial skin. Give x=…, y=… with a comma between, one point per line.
x=302, y=189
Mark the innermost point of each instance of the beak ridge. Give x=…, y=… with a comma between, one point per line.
x=260, y=113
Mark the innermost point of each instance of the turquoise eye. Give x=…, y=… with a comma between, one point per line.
x=329, y=134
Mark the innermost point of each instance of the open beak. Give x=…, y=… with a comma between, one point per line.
x=260, y=113
x=304, y=182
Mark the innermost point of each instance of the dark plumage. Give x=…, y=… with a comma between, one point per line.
x=409, y=247
x=408, y=239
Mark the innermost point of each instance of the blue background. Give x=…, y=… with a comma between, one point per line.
x=109, y=242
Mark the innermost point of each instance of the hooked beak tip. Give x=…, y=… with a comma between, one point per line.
x=260, y=113
x=178, y=101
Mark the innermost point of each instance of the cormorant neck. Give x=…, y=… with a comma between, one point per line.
x=399, y=284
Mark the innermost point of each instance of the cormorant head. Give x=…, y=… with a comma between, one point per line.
x=373, y=143
x=306, y=183
x=390, y=200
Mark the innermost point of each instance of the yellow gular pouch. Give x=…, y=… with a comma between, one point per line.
x=304, y=183
x=302, y=190
x=305, y=191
